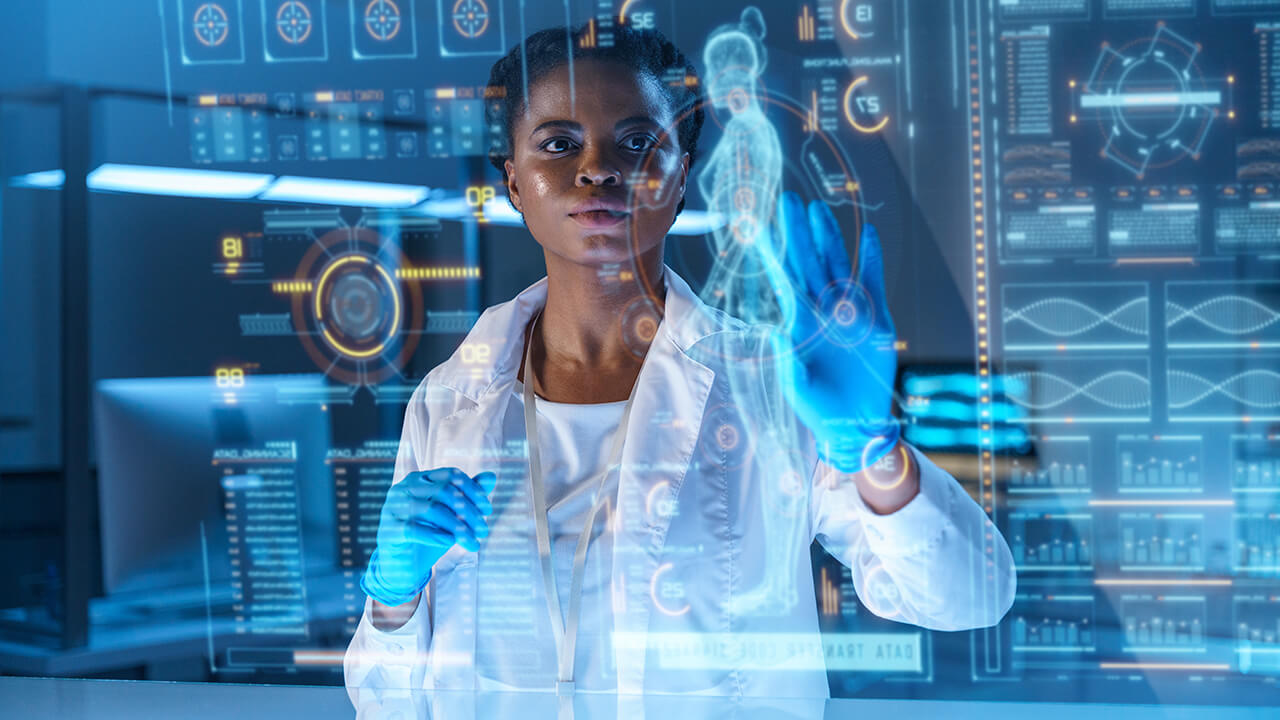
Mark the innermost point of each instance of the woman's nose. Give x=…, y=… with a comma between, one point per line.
x=598, y=169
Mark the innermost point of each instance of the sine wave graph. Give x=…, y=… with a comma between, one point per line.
x=1088, y=394
x=1209, y=317
x=1213, y=394
x=1070, y=317
x=1231, y=314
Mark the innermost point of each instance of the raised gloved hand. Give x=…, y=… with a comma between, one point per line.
x=425, y=515
x=839, y=374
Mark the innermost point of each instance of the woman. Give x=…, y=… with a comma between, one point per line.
x=582, y=489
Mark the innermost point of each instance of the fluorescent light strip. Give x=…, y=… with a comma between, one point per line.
x=353, y=193
x=43, y=180
x=156, y=180
x=688, y=222
x=182, y=182
x=1162, y=503
x=1162, y=666
x=697, y=222
x=1160, y=581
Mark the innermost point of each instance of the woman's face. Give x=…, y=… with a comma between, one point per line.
x=587, y=175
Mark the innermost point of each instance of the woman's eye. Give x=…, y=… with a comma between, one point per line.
x=639, y=143
x=556, y=145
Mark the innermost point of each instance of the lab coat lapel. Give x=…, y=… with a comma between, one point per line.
x=671, y=397
x=478, y=434
x=670, y=400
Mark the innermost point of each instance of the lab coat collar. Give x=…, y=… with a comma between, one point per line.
x=489, y=359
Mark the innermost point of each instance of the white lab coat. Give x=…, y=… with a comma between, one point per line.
x=688, y=538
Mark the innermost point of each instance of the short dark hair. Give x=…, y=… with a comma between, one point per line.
x=647, y=51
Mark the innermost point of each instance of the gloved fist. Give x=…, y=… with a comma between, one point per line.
x=424, y=516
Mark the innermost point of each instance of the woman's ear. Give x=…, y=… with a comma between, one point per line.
x=513, y=191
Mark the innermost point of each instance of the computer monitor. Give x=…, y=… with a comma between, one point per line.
x=161, y=493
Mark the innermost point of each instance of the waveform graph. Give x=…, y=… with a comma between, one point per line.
x=1160, y=463
x=1256, y=623
x=1051, y=541
x=1052, y=623
x=1160, y=541
x=1061, y=464
x=1255, y=463
x=1163, y=623
x=1224, y=389
x=1214, y=315
x=1092, y=389
x=1069, y=317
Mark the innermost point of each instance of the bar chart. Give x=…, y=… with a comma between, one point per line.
x=1162, y=541
x=1257, y=619
x=1053, y=623
x=1255, y=463
x=1051, y=541
x=1163, y=463
x=1257, y=542
x=1163, y=623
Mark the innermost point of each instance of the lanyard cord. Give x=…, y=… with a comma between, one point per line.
x=566, y=629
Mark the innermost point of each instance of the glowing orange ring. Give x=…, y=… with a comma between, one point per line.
x=465, y=33
x=305, y=11
x=653, y=595
x=399, y=20
x=902, y=450
x=226, y=27
x=844, y=21
x=622, y=12
x=849, y=116
x=395, y=305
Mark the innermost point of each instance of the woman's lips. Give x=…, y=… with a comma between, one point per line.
x=599, y=218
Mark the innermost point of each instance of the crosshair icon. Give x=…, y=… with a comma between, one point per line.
x=293, y=22
x=211, y=24
x=471, y=17
x=382, y=19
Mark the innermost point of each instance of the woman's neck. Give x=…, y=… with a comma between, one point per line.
x=581, y=323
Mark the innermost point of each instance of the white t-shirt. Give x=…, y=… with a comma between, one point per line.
x=572, y=441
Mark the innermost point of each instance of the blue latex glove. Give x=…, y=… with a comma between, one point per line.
x=425, y=515
x=839, y=377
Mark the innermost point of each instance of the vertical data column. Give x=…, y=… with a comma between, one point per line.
x=265, y=539
x=361, y=476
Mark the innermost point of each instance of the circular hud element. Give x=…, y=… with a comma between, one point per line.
x=293, y=22
x=359, y=322
x=728, y=439
x=639, y=325
x=357, y=305
x=848, y=313
x=211, y=24
x=1153, y=104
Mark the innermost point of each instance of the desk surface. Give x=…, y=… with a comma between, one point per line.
x=120, y=699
